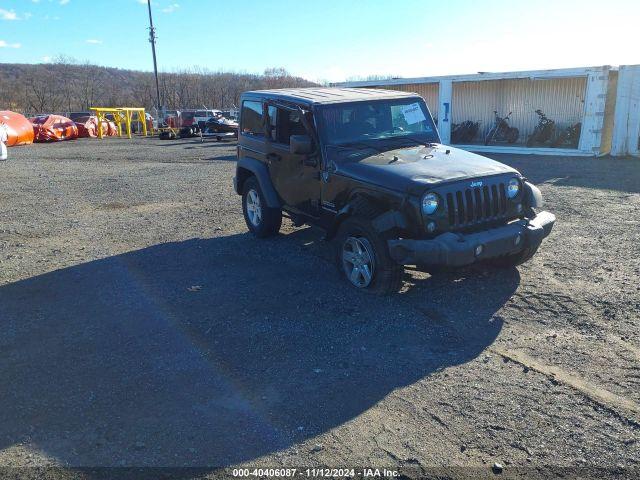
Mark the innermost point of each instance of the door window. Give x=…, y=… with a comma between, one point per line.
x=251, y=118
x=283, y=123
x=291, y=125
x=272, y=128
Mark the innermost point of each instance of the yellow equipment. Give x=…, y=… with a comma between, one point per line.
x=121, y=115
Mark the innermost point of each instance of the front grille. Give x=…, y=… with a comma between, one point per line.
x=476, y=205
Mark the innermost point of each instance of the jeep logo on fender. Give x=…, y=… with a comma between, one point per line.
x=475, y=184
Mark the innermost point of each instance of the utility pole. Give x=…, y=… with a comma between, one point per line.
x=152, y=40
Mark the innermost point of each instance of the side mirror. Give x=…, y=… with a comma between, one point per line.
x=300, y=144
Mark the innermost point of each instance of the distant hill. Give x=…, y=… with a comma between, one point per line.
x=64, y=86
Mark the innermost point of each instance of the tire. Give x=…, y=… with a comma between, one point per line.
x=547, y=134
x=167, y=135
x=512, y=135
x=473, y=131
x=489, y=138
x=531, y=139
x=558, y=141
x=261, y=220
x=358, y=240
x=455, y=133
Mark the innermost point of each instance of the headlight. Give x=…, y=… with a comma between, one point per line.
x=430, y=203
x=513, y=188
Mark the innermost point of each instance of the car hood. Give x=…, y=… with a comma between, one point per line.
x=414, y=169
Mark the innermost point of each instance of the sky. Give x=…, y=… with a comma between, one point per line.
x=326, y=40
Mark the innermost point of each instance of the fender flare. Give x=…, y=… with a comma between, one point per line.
x=381, y=223
x=261, y=172
x=390, y=220
x=533, y=196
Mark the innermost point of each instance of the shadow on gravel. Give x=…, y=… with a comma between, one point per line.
x=223, y=158
x=226, y=158
x=209, y=352
x=196, y=143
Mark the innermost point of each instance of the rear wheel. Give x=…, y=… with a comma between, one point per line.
x=262, y=220
x=558, y=140
x=532, y=138
x=363, y=258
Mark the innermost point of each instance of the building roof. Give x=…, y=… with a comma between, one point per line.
x=314, y=95
x=531, y=74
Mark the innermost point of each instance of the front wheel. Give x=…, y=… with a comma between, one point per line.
x=363, y=258
x=489, y=138
x=262, y=220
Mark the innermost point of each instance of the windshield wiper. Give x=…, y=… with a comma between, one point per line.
x=412, y=139
x=355, y=146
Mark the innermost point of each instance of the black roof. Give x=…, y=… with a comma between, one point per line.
x=320, y=95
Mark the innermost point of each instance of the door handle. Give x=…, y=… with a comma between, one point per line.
x=273, y=157
x=310, y=161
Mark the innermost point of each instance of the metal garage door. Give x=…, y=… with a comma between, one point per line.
x=561, y=99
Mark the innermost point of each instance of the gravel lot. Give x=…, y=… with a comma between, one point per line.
x=142, y=326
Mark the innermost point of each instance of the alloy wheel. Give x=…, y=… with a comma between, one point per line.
x=254, y=209
x=358, y=261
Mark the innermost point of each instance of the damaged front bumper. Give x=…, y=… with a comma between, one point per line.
x=456, y=250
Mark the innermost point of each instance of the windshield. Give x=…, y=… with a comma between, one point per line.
x=380, y=125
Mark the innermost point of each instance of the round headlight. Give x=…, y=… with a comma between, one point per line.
x=513, y=188
x=430, y=203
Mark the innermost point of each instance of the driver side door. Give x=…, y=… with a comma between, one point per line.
x=296, y=180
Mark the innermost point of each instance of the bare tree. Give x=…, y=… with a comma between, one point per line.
x=68, y=85
x=41, y=95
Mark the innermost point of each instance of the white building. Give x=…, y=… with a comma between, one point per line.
x=604, y=100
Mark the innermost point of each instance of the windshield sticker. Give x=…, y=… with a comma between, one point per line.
x=413, y=113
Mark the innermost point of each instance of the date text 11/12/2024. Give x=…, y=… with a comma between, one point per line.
x=314, y=472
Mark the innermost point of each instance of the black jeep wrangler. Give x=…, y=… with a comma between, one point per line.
x=367, y=166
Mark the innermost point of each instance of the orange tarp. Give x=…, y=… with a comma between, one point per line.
x=53, y=128
x=88, y=127
x=17, y=128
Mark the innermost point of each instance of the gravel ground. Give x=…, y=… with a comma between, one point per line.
x=142, y=326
